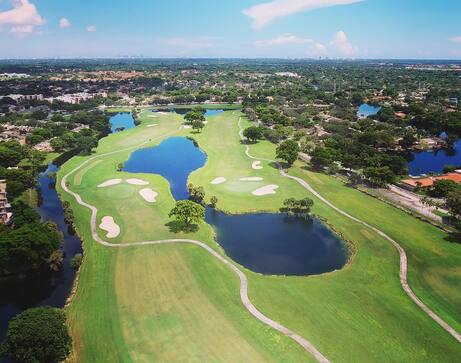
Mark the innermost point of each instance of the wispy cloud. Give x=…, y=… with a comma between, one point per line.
x=456, y=39
x=22, y=18
x=91, y=28
x=283, y=39
x=64, y=23
x=317, y=49
x=264, y=13
x=191, y=43
x=342, y=44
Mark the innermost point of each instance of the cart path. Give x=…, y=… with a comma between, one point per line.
x=403, y=256
x=308, y=346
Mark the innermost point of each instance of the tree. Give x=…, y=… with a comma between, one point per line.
x=298, y=208
x=187, y=212
x=454, y=204
x=194, y=115
x=443, y=187
x=37, y=335
x=322, y=157
x=379, y=176
x=288, y=151
x=196, y=194
x=253, y=133
x=213, y=201
x=198, y=125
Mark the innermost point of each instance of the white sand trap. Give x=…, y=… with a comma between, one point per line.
x=187, y=126
x=205, y=122
x=256, y=165
x=152, y=125
x=108, y=224
x=267, y=189
x=135, y=181
x=110, y=182
x=251, y=178
x=148, y=194
x=152, y=116
x=161, y=113
x=218, y=180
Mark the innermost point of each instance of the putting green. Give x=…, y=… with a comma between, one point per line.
x=176, y=303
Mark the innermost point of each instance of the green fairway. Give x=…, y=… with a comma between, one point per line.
x=177, y=303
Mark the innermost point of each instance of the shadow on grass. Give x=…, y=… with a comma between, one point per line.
x=178, y=227
x=454, y=237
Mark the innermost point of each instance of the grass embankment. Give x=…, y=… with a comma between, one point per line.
x=176, y=303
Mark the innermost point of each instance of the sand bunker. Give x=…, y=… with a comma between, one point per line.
x=152, y=116
x=161, y=113
x=152, y=125
x=251, y=178
x=256, y=165
x=187, y=126
x=267, y=189
x=218, y=180
x=110, y=182
x=108, y=224
x=148, y=194
x=134, y=181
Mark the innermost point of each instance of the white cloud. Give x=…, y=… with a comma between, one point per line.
x=456, y=39
x=342, y=44
x=64, y=23
x=318, y=49
x=283, y=39
x=202, y=42
x=91, y=28
x=263, y=14
x=22, y=18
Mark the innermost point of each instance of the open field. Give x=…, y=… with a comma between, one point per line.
x=176, y=303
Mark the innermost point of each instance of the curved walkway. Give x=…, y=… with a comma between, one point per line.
x=403, y=256
x=308, y=346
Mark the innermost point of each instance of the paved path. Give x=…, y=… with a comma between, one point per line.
x=308, y=346
x=403, y=256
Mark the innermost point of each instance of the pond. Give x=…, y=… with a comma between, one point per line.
x=433, y=161
x=174, y=158
x=44, y=288
x=121, y=121
x=365, y=110
x=268, y=243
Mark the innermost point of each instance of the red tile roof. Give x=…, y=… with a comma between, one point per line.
x=429, y=181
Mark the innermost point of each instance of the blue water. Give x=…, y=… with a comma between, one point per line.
x=273, y=244
x=213, y=112
x=121, y=119
x=433, y=161
x=174, y=159
x=268, y=243
x=366, y=110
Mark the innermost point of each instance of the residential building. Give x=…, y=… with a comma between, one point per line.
x=5, y=207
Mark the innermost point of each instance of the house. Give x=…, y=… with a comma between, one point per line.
x=416, y=183
x=5, y=207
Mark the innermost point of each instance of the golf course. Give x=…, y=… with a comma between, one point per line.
x=151, y=293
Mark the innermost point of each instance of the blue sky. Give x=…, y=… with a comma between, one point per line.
x=231, y=28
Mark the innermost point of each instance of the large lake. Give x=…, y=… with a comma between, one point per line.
x=433, y=161
x=269, y=243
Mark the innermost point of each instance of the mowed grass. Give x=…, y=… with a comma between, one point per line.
x=156, y=303
x=176, y=303
x=363, y=304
